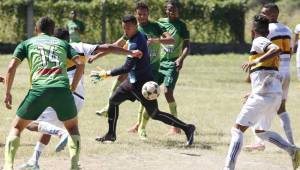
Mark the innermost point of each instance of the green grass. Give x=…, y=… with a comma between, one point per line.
x=209, y=94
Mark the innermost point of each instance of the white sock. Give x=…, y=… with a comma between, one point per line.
x=50, y=129
x=258, y=140
x=234, y=148
x=39, y=147
x=277, y=140
x=286, y=125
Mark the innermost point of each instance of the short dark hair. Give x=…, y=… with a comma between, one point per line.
x=46, y=25
x=271, y=6
x=62, y=33
x=173, y=3
x=261, y=24
x=141, y=5
x=129, y=19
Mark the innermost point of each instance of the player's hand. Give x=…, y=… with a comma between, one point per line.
x=91, y=60
x=247, y=66
x=136, y=53
x=178, y=63
x=152, y=41
x=246, y=97
x=8, y=101
x=98, y=75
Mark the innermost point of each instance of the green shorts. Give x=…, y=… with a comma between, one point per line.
x=37, y=100
x=168, y=75
x=155, y=71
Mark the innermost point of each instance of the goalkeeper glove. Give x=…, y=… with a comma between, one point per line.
x=99, y=75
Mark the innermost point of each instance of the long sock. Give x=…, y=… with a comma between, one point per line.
x=277, y=140
x=39, y=147
x=173, y=108
x=286, y=125
x=170, y=120
x=11, y=147
x=235, y=146
x=74, y=149
x=49, y=129
x=113, y=114
x=140, y=114
x=145, y=119
x=258, y=140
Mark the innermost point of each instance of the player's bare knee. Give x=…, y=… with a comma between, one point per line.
x=169, y=95
x=282, y=108
x=241, y=127
x=33, y=126
x=73, y=130
x=259, y=131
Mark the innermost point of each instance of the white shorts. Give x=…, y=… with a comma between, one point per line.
x=286, y=78
x=49, y=114
x=259, y=110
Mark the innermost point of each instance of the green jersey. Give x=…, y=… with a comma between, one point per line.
x=152, y=30
x=179, y=32
x=75, y=28
x=47, y=57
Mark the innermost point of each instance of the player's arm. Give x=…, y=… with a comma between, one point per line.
x=11, y=72
x=272, y=50
x=165, y=38
x=111, y=48
x=296, y=42
x=78, y=73
x=184, y=53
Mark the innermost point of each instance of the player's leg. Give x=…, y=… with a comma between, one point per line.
x=259, y=144
x=298, y=62
x=120, y=95
x=142, y=127
x=135, y=127
x=13, y=141
x=117, y=82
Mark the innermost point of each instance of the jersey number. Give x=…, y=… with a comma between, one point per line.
x=50, y=58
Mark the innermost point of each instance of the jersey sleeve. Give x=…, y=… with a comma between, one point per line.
x=297, y=29
x=261, y=44
x=20, y=51
x=88, y=49
x=184, y=32
x=71, y=53
x=159, y=29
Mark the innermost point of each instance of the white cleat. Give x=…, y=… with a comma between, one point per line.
x=28, y=166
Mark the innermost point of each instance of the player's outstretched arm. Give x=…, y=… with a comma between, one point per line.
x=185, y=52
x=78, y=73
x=11, y=72
x=166, y=38
x=111, y=48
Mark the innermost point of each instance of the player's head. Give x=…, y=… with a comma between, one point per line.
x=271, y=11
x=142, y=13
x=260, y=25
x=45, y=25
x=172, y=9
x=62, y=34
x=73, y=14
x=129, y=24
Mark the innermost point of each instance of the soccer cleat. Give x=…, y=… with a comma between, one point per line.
x=103, y=112
x=256, y=146
x=133, y=129
x=190, y=134
x=108, y=138
x=28, y=166
x=296, y=159
x=174, y=131
x=142, y=134
x=62, y=142
x=226, y=168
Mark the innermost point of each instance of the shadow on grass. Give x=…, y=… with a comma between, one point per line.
x=2, y=145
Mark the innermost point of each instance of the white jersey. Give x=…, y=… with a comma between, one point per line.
x=264, y=80
x=297, y=31
x=84, y=48
x=281, y=35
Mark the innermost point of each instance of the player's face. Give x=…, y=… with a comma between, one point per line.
x=142, y=16
x=129, y=29
x=172, y=11
x=73, y=15
x=272, y=15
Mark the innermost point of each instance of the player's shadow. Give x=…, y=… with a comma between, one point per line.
x=174, y=143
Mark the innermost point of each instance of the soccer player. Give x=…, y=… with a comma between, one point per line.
x=48, y=123
x=50, y=87
x=1, y=79
x=75, y=27
x=173, y=55
x=139, y=72
x=296, y=49
x=156, y=36
x=265, y=97
x=280, y=35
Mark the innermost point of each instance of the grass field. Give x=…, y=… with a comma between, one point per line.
x=209, y=94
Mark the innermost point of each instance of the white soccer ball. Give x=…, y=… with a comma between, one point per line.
x=151, y=90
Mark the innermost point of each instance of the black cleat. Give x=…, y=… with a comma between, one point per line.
x=108, y=138
x=190, y=134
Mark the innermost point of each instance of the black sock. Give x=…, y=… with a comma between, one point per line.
x=113, y=114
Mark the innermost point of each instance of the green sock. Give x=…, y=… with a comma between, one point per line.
x=145, y=119
x=173, y=108
x=140, y=114
x=11, y=147
x=115, y=86
x=74, y=149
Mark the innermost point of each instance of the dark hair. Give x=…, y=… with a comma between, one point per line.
x=271, y=6
x=141, y=5
x=46, y=25
x=261, y=24
x=129, y=19
x=173, y=3
x=62, y=34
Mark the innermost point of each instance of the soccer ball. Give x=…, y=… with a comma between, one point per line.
x=151, y=90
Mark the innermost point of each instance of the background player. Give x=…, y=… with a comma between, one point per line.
x=75, y=27
x=280, y=35
x=296, y=49
x=265, y=97
x=47, y=56
x=139, y=71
